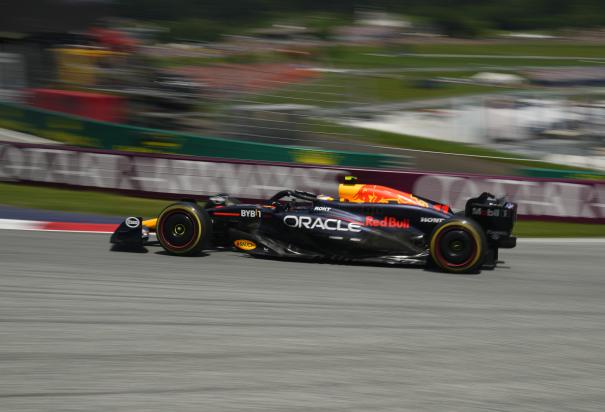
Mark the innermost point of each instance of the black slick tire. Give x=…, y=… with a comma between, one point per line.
x=458, y=245
x=184, y=229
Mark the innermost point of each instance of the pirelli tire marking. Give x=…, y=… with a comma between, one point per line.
x=436, y=252
x=197, y=234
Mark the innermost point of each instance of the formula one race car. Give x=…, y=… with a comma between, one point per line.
x=368, y=223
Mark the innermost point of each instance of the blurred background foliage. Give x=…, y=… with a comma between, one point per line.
x=199, y=19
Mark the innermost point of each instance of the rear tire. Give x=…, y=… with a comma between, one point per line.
x=184, y=229
x=458, y=246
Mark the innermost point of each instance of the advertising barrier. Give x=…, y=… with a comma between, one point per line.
x=171, y=176
x=83, y=132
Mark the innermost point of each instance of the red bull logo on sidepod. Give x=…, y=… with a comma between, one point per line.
x=387, y=222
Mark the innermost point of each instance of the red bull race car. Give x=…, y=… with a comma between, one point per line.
x=367, y=223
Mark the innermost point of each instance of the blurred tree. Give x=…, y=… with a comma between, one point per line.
x=456, y=17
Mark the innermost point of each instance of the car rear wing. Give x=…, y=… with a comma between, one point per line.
x=496, y=216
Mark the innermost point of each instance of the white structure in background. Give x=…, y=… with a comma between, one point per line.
x=478, y=122
x=497, y=79
x=382, y=19
x=373, y=26
x=12, y=76
x=526, y=117
x=531, y=36
x=456, y=125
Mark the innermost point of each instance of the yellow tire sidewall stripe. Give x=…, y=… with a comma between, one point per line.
x=191, y=211
x=473, y=233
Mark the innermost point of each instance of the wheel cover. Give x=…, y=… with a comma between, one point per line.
x=456, y=247
x=179, y=229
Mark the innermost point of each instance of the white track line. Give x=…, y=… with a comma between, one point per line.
x=40, y=226
x=14, y=224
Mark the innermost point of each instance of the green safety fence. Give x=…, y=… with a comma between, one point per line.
x=561, y=174
x=78, y=131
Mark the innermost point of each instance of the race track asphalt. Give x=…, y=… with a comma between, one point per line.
x=86, y=329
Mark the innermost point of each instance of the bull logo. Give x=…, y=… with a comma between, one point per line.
x=378, y=194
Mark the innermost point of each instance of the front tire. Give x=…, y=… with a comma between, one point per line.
x=458, y=246
x=184, y=229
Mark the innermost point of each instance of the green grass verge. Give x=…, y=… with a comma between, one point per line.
x=399, y=56
x=519, y=48
x=333, y=90
x=528, y=228
x=78, y=201
x=117, y=205
x=395, y=56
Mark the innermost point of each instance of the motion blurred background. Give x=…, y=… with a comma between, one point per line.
x=114, y=108
x=492, y=87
